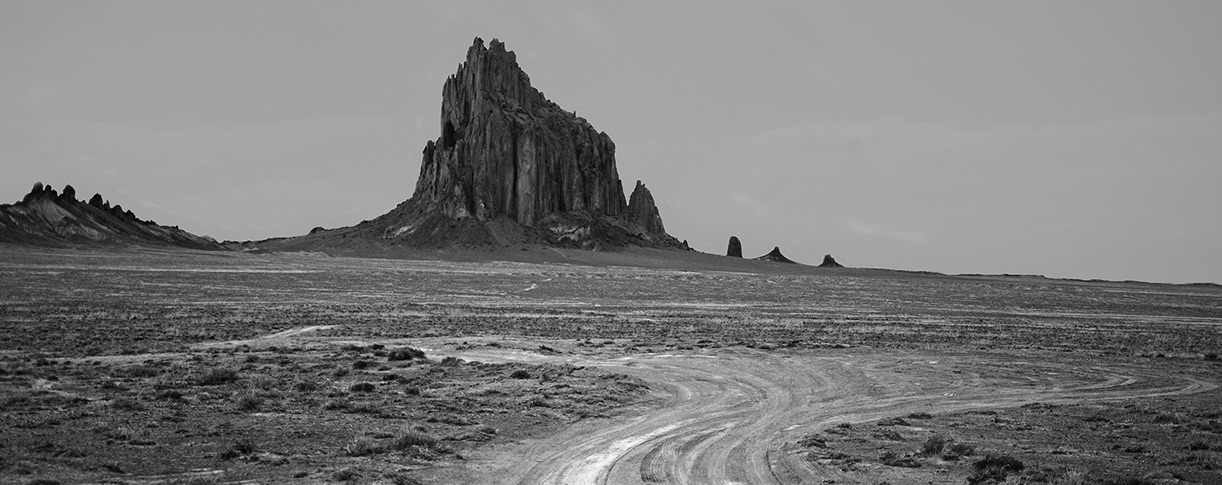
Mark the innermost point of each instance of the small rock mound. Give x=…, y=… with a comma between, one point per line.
x=830, y=262
x=735, y=249
x=776, y=256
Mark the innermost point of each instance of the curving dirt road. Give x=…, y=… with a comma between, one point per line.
x=732, y=417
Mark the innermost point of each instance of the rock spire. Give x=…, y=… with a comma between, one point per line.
x=735, y=248
x=505, y=150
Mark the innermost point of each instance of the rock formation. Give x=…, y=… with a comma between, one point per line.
x=829, y=262
x=642, y=212
x=509, y=167
x=775, y=256
x=44, y=217
x=505, y=150
x=735, y=249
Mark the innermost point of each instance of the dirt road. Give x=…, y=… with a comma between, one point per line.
x=732, y=417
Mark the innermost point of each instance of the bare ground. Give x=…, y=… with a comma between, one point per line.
x=544, y=372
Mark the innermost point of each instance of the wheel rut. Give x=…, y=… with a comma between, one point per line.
x=733, y=418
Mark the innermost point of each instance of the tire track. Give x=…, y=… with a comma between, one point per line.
x=734, y=418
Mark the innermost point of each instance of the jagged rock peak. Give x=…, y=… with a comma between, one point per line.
x=44, y=217
x=775, y=255
x=505, y=150
x=830, y=262
x=735, y=248
x=643, y=212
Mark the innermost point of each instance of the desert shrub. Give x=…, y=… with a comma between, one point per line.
x=306, y=386
x=413, y=390
x=368, y=408
x=812, y=441
x=1126, y=481
x=889, y=458
x=218, y=376
x=956, y=450
x=1211, y=356
x=415, y=441
x=249, y=402
x=519, y=374
x=126, y=404
x=346, y=475
x=933, y=445
x=994, y=469
x=169, y=394
x=400, y=479
x=360, y=365
x=920, y=415
x=238, y=448
x=142, y=371
x=334, y=405
x=363, y=387
x=894, y=421
x=263, y=382
x=451, y=361
x=1198, y=446
x=362, y=447
x=405, y=353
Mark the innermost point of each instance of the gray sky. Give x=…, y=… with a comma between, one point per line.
x=1070, y=139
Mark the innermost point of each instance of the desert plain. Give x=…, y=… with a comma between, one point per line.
x=546, y=365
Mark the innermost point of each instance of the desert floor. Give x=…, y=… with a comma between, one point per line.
x=151, y=366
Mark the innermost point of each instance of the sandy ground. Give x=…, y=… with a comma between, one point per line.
x=730, y=416
x=744, y=363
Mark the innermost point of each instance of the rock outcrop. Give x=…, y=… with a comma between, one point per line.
x=44, y=217
x=775, y=256
x=509, y=167
x=505, y=150
x=830, y=262
x=735, y=248
x=642, y=212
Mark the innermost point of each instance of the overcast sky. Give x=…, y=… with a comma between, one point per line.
x=1071, y=139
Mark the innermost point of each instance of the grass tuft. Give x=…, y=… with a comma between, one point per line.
x=218, y=376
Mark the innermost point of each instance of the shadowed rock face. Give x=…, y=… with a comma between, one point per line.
x=829, y=262
x=642, y=212
x=505, y=150
x=735, y=249
x=776, y=256
x=44, y=217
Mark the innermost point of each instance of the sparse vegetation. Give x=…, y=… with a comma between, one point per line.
x=994, y=469
x=933, y=445
x=216, y=377
x=134, y=380
x=405, y=353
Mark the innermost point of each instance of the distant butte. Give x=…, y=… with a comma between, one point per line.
x=508, y=167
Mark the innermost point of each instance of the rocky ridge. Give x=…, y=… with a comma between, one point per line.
x=46, y=217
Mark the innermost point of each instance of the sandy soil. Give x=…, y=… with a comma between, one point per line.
x=668, y=372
